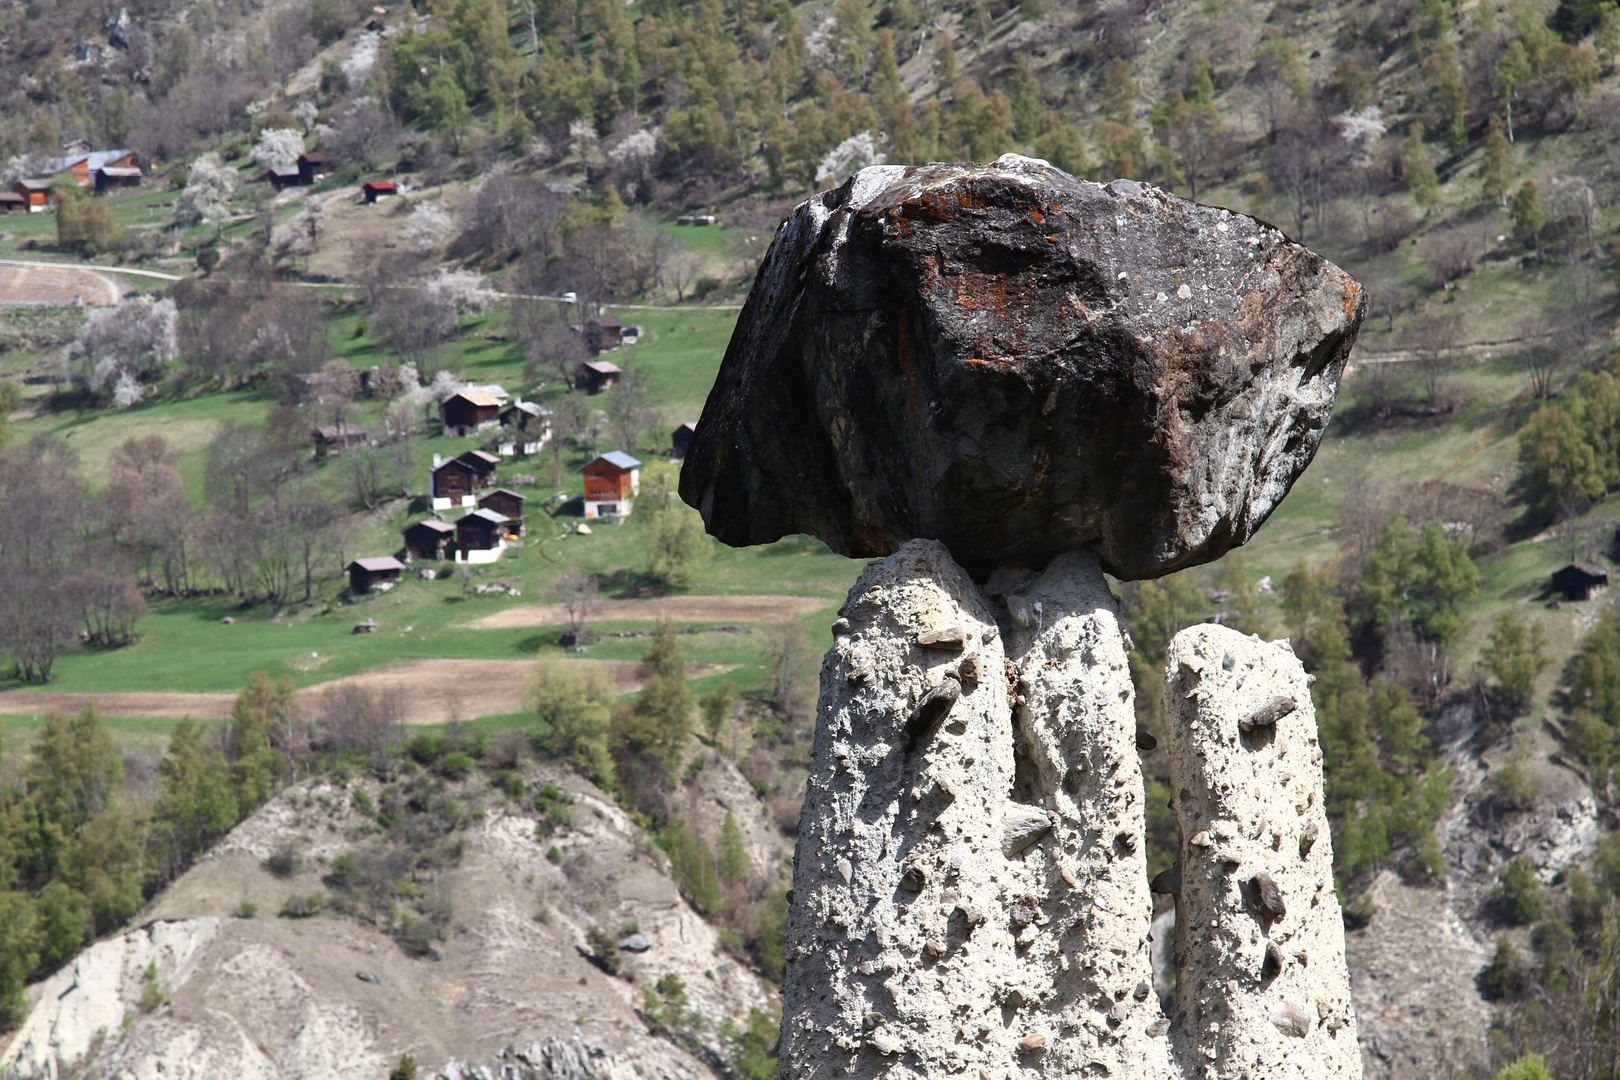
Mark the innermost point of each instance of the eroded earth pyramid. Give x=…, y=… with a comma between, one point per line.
x=1009, y=381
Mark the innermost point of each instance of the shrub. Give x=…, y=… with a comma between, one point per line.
x=247, y=909
x=1505, y=976
x=362, y=803
x=552, y=805
x=1519, y=895
x=1529, y=1067
x=554, y=855
x=405, y=1070
x=153, y=995
x=604, y=950
x=303, y=907
x=284, y=862
x=1513, y=789
x=456, y=766
x=427, y=748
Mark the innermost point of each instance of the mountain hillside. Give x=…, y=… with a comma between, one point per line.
x=213, y=984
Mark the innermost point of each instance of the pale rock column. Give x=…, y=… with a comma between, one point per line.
x=970, y=895
x=1262, y=990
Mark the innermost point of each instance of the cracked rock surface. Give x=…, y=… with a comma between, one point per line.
x=1019, y=364
x=970, y=893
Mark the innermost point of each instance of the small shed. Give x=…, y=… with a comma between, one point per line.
x=612, y=481
x=505, y=501
x=365, y=573
x=36, y=192
x=428, y=539
x=334, y=438
x=281, y=176
x=681, y=441
x=1578, y=581
x=372, y=190
x=467, y=411
x=117, y=176
x=12, y=203
x=603, y=333
x=311, y=165
x=451, y=483
x=483, y=464
x=595, y=376
x=481, y=531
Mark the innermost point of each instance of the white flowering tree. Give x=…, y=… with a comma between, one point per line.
x=462, y=291
x=207, y=196
x=852, y=155
x=427, y=227
x=1361, y=131
x=632, y=160
x=278, y=147
x=305, y=113
x=133, y=339
x=582, y=140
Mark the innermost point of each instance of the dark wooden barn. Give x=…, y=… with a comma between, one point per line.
x=428, y=539
x=1578, y=581
x=366, y=573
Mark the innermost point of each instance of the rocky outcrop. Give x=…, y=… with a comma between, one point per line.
x=1018, y=364
x=970, y=890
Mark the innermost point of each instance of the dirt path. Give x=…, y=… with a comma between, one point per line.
x=679, y=608
x=432, y=691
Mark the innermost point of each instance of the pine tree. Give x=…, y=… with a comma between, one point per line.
x=1515, y=656
x=1528, y=216
x=1496, y=166
x=945, y=67
x=264, y=717
x=1024, y=94
x=734, y=864
x=1448, y=94
x=196, y=802
x=1061, y=144
x=1421, y=179
x=73, y=769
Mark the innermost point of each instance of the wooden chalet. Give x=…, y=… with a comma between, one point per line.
x=681, y=441
x=12, y=203
x=35, y=191
x=451, y=483
x=1578, y=581
x=429, y=539
x=364, y=574
x=335, y=438
x=525, y=427
x=312, y=165
x=612, y=481
x=602, y=333
x=595, y=376
x=483, y=464
x=481, y=536
x=466, y=412
x=372, y=190
x=281, y=176
x=505, y=501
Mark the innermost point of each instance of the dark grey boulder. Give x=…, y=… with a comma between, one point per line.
x=1018, y=363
